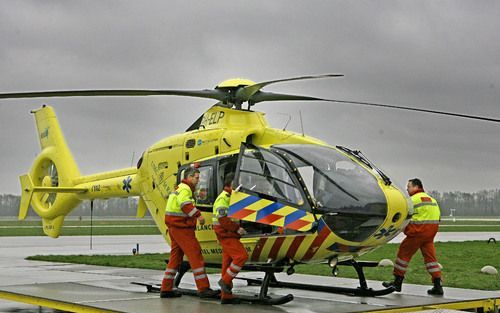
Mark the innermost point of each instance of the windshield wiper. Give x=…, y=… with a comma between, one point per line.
x=361, y=157
x=317, y=170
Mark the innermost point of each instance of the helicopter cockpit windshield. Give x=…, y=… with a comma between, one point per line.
x=349, y=197
x=266, y=174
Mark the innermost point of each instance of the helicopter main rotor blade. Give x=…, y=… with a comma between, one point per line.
x=242, y=94
x=261, y=96
x=251, y=93
x=206, y=93
x=268, y=96
x=246, y=93
x=475, y=117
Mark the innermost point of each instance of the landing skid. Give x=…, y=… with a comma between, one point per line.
x=254, y=299
x=261, y=298
x=361, y=291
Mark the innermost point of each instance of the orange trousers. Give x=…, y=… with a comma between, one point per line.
x=183, y=241
x=418, y=236
x=234, y=257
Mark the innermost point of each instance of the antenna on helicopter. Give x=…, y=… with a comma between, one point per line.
x=288, y=121
x=91, y=220
x=301, y=124
x=133, y=157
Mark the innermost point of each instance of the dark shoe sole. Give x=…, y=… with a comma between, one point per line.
x=209, y=294
x=435, y=293
x=230, y=301
x=391, y=285
x=170, y=294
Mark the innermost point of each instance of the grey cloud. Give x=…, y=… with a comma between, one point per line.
x=438, y=55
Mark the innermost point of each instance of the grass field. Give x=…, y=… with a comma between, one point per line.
x=469, y=224
x=146, y=226
x=76, y=227
x=462, y=262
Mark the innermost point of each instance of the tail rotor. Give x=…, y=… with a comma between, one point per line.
x=49, y=186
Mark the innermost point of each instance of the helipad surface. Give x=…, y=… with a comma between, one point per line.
x=105, y=289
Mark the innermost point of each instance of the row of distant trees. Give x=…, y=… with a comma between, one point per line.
x=9, y=206
x=481, y=203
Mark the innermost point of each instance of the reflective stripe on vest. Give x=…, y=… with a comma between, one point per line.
x=177, y=199
x=220, y=207
x=426, y=209
x=424, y=222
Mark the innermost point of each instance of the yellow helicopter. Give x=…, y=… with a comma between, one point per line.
x=300, y=199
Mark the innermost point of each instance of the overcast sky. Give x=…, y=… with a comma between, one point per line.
x=440, y=55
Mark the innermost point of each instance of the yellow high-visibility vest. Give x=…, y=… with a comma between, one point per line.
x=426, y=209
x=177, y=199
x=221, y=206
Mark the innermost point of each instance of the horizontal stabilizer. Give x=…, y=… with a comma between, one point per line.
x=60, y=189
x=28, y=189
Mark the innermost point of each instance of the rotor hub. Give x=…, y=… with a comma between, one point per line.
x=235, y=83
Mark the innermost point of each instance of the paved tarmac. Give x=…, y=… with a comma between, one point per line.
x=18, y=248
x=458, y=236
x=16, y=271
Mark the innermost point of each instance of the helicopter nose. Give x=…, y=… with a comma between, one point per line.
x=398, y=209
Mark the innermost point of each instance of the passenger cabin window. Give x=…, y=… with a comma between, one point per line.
x=205, y=190
x=227, y=166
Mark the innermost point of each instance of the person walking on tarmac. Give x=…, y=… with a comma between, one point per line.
x=420, y=234
x=228, y=233
x=181, y=215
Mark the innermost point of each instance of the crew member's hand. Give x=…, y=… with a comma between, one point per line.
x=201, y=220
x=241, y=231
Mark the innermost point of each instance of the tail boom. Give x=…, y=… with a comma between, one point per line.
x=54, y=185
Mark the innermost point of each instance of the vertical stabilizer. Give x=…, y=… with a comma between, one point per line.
x=53, y=170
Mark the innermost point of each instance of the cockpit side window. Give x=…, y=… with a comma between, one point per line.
x=267, y=174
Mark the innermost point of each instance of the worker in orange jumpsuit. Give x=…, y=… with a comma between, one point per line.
x=228, y=233
x=420, y=234
x=181, y=215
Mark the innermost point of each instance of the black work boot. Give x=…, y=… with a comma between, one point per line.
x=170, y=294
x=224, y=287
x=208, y=293
x=437, y=289
x=396, y=283
x=230, y=301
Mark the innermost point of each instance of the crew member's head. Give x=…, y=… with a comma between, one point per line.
x=414, y=185
x=228, y=180
x=192, y=175
x=202, y=194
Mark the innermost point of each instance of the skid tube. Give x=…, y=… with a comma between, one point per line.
x=361, y=291
x=261, y=298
